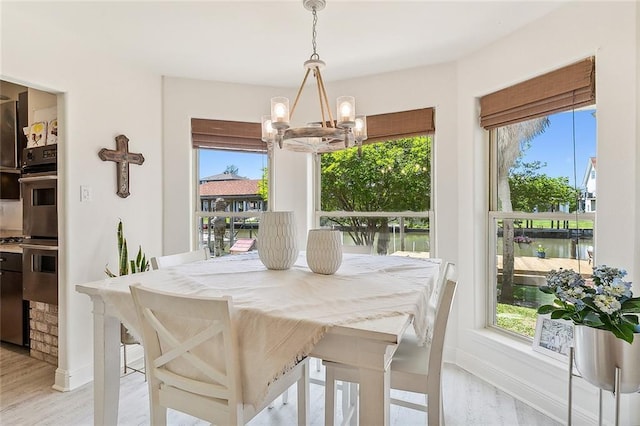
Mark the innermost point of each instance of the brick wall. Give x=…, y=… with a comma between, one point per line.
x=43, y=324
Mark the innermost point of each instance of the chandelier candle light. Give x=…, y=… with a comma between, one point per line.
x=327, y=134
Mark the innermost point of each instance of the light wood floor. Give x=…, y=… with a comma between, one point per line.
x=26, y=398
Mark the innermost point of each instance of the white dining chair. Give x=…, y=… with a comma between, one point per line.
x=181, y=335
x=179, y=258
x=414, y=368
x=193, y=256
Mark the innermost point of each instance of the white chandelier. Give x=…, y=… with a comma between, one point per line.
x=322, y=136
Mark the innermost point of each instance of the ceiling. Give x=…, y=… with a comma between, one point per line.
x=266, y=42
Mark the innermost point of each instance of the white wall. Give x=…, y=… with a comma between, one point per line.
x=608, y=31
x=98, y=99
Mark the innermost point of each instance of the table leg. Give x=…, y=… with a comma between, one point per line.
x=374, y=397
x=106, y=365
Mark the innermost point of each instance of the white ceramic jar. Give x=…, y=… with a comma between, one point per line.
x=324, y=250
x=277, y=240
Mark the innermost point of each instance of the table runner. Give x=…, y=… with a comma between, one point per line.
x=281, y=315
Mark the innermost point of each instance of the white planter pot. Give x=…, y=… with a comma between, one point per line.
x=599, y=352
x=324, y=250
x=277, y=240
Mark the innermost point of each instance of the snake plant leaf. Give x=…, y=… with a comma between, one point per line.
x=125, y=265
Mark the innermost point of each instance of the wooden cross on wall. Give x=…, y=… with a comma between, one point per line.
x=123, y=157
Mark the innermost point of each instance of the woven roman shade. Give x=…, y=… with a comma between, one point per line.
x=403, y=124
x=569, y=87
x=227, y=135
x=245, y=136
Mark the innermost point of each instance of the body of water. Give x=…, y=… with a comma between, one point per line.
x=553, y=247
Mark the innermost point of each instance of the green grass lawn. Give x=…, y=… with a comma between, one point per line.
x=517, y=319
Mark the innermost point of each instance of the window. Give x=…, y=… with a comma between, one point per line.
x=232, y=188
x=362, y=193
x=542, y=153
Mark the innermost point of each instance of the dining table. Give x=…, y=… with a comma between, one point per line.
x=356, y=316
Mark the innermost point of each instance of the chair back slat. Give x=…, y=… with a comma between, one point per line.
x=176, y=349
x=194, y=386
x=160, y=262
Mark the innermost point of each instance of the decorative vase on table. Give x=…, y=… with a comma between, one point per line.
x=324, y=250
x=277, y=240
x=598, y=353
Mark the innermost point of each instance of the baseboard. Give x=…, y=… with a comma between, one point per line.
x=66, y=380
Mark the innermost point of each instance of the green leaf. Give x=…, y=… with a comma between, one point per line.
x=124, y=256
x=631, y=306
x=545, y=309
x=560, y=314
x=623, y=331
x=592, y=320
x=632, y=319
x=108, y=272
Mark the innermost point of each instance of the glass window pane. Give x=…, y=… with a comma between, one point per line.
x=230, y=182
x=386, y=176
x=383, y=235
x=383, y=178
x=545, y=168
x=523, y=261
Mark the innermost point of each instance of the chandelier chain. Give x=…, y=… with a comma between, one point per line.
x=314, y=34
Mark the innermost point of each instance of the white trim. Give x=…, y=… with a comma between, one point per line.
x=249, y=213
x=542, y=215
x=67, y=380
x=342, y=213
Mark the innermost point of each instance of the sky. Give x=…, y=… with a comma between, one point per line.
x=553, y=147
x=213, y=162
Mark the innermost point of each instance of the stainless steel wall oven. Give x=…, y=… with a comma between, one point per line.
x=39, y=208
x=40, y=271
x=39, y=183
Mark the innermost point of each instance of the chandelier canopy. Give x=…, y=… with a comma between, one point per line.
x=326, y=134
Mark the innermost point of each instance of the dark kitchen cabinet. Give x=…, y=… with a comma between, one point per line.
x=13, y=310
x=9, y=185
x=13, y=117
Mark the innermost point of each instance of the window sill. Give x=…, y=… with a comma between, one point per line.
x=492, y=342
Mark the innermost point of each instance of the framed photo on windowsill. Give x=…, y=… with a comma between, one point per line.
x=553, y=337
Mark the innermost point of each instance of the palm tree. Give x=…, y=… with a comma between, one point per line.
x=511, y=139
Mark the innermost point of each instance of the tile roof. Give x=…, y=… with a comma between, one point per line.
x=229, y=187
x=222, y=176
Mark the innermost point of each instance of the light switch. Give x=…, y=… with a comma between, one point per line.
x=85, y=193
